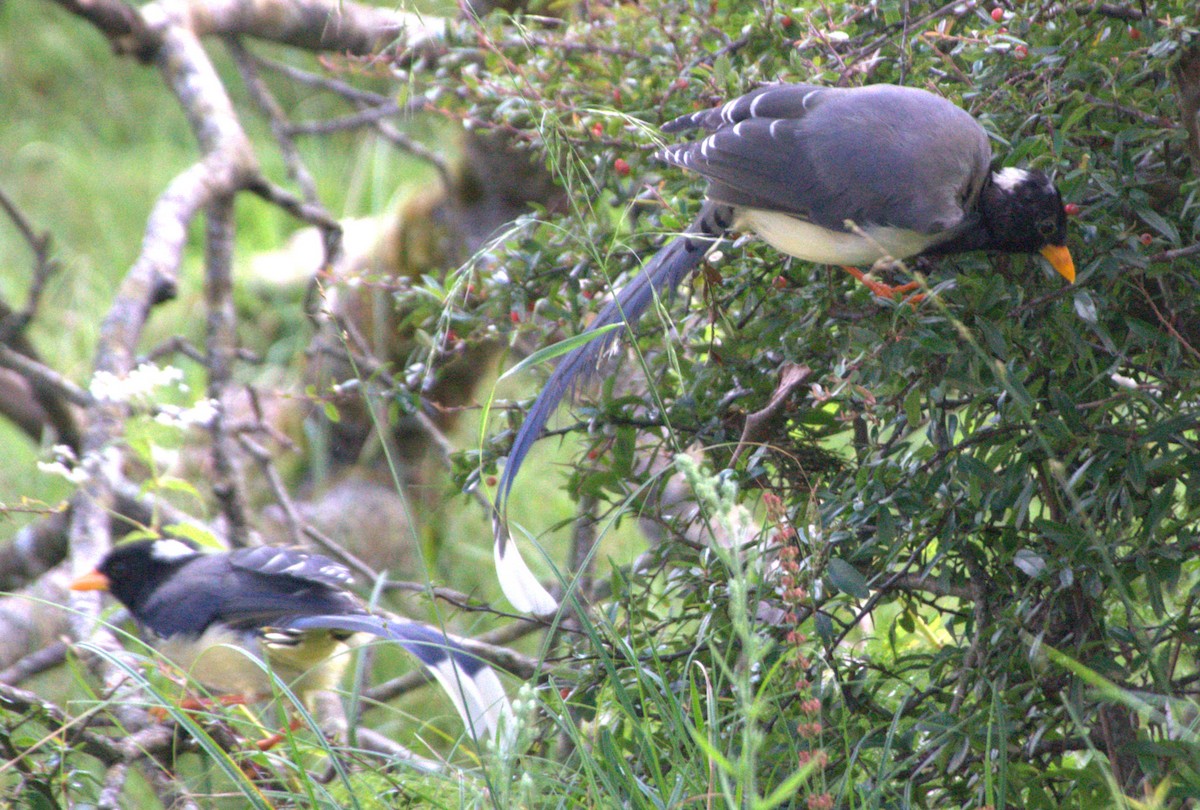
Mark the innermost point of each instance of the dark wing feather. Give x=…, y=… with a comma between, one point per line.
x=275, y=560
x=247, y=589
x=829, y=155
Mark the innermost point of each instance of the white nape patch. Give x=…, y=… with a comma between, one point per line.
x=520, y=586
x=168, y=550
x=1010, y=177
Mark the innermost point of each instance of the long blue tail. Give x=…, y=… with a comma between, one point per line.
x=472, y=685
x=666, y=271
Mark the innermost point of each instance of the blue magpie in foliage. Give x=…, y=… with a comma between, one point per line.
x=844, y=176
x=291, y=609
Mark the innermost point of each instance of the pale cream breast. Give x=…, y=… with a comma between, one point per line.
x=813, y=243
x=229, y=662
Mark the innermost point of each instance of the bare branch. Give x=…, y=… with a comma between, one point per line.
x=315, y=25
x=44, y=377
x=263, y=458
x=378, y=743
x=221, y=351
x=37, y=662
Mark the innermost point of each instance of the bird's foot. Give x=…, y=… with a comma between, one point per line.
x=197, y=704
x=270, y=741
x=886, y=290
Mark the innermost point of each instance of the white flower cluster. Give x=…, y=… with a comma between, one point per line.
x=202, y=414
x=139, y=387
x=138, y=384
x=65, y=464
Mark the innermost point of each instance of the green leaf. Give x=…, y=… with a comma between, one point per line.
x=1161, y=225
x=1031, y=563
x=845, y=578
x=912, y=408
x=169, y=483
x=196, y=534
x=560, y=348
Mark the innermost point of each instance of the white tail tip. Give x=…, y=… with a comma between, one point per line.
x=519, y=584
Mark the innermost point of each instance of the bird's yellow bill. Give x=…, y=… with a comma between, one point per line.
x=1060, y=259
x=91, y=581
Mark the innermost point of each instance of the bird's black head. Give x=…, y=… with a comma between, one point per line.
x=1023, y=213
x=132, y=571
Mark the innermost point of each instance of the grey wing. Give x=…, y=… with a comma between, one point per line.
x=773, y=101
x=878, y=155
x=276, y=560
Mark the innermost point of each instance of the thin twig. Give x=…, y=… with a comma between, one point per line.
x=1177, y=253
x=44, y=266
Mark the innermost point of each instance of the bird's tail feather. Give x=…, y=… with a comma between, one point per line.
x=666, y=271
x=472, y=685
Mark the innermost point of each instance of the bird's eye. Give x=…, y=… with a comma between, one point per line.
x=1047, y=227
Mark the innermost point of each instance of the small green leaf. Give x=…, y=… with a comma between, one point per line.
x=1159, y=224
x=1085, y=307
x=560, y=348
x=845, y=578
x=196, y=534
x=912, y=408
x=170, y=483
x=1031, y=563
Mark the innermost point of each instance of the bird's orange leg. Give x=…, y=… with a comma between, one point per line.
x=195, y=704
x=267, y=743
x=886, y=290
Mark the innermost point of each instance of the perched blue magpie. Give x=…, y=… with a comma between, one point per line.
x=206, y=611
x=844, y=176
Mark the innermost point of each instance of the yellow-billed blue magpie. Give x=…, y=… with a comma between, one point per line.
x=843, y=176
x=217, y=615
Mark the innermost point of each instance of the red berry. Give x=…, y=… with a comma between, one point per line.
x=451, y=336
x=1146, y=239
x=780, y=283
x=621, y=167
x=491, y=480
x=1002, y=30
x=592, y=455
x=616, y=95
x=1134, y=33
x=1071, y=210
x=597, y=129
x=470, y=289
x=1020, y=52
x=515, y=316
x=785, y=21
x=679, y=84
x=997, y=14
